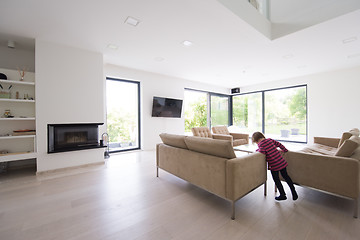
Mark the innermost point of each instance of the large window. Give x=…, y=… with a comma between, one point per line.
x=279, y=113
x=285, y=114
x=247, y=113
x=205, y=109
x=195, y=105
x=219, y=110
x=123, y=114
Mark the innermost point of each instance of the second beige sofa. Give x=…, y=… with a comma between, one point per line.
x=331, y=165
x=211, y=164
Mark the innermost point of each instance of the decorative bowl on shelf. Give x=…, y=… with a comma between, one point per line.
x=3, y=76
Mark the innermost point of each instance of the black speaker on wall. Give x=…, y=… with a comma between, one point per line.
x=235, y=90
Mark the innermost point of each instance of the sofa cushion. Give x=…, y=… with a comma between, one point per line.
x=173, y=140
x=345, y=136
x=238, y=142
x=356, y=153
x=216, y=147
x=347, y=148
x=319, y=149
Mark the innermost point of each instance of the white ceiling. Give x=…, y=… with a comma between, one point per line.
x=226, y=50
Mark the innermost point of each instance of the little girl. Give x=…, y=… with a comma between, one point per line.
x=276, y=163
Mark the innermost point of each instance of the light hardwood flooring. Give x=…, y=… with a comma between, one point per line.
x=123, y=199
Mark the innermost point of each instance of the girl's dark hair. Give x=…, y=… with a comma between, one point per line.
x=257, y=136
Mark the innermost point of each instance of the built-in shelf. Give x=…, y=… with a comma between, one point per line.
x=17, y=137
x=17, y=82
x=16, y=100
x=18, y=119
x=17, y=156
x=19, y=147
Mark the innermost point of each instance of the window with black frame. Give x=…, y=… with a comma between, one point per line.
x=286, y=113
x=247, y=112
x=123, y=114
x=219, y=110
x=279, y=113
x=205, y=109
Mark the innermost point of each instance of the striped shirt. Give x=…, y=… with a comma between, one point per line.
x=269, y=147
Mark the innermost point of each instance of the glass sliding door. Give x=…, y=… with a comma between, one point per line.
x=247, y=113
x=219, y=110
x=123, y=114
x=285, y=114
x=196, y=110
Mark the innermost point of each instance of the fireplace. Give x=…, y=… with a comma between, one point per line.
x=73, y=137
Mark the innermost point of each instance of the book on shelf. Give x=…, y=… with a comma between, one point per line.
x=24, y=132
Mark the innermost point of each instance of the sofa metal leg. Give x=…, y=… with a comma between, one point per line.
x=356, y=207
x=157, y=171
x=232, y=210
x=265, y=188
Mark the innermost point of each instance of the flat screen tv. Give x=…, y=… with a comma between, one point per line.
x=166, y=107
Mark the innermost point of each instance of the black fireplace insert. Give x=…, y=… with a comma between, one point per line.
x=73, y=137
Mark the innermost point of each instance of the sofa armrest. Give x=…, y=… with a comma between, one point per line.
x=240, y=136
x=243, y=174
x=223, y=137
x=337, y=175
x=331, y=142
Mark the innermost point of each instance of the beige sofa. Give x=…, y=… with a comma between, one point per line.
x=330, y=165
x=212, y=165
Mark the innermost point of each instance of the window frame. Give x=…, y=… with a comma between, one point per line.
x=263, y=108
x=208, y=103
x=139, y=113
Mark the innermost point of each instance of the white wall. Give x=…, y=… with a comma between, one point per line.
x=333, y=100
x=152, y=84
x=13, y=58
x=69, y=89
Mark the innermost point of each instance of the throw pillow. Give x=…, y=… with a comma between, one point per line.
x=356, y=153
x=345, y=135
x=355, y=139
x=347, y=148
x=355, y=132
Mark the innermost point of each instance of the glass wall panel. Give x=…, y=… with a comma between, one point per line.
x=285, y=114
x=247, y=113
x=195, y=106
x=219, y=110
x=122, y=100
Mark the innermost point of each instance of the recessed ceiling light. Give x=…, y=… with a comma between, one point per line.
x=187, y=43
x=132, y=21
x=112, y=46
x=349, y=40
x=354, y=55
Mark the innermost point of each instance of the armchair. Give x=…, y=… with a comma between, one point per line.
x=201, y=132
x=206, y=133
x=237, y=138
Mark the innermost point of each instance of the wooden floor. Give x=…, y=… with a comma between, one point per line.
x=124, y=200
